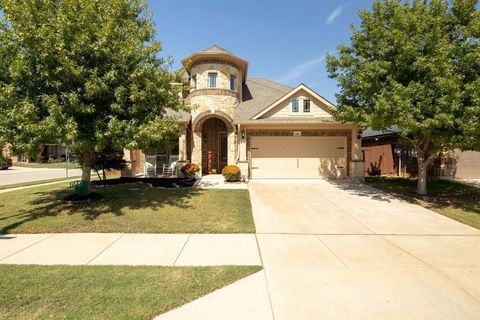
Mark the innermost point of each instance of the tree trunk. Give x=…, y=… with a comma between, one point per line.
x=422, y=176
x=87, y=169
x=86, y=172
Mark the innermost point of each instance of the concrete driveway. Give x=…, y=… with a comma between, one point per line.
x=334, y=250
x=346, y=251
x=20, y=174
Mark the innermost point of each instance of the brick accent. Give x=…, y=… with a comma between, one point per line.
x=305, y=133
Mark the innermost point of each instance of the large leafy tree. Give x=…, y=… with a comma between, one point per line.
x=86, y=73
x=416, y=65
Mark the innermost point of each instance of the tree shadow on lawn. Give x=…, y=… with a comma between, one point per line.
x=116, y=199
x=442, y=194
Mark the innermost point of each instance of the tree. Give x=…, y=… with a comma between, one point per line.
x=81, y=72
x=416, y=65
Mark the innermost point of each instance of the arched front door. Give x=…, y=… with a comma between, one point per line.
x=214, y=146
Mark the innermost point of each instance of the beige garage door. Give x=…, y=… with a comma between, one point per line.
x=298, y=157
x=468, y=164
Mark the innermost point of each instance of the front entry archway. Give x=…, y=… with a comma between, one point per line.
x=214, y=146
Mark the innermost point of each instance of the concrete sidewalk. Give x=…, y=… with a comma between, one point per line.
x=16, y=175
x=129, y=249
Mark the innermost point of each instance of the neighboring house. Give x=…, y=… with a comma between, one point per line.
x=268, y=129
x=386, y=154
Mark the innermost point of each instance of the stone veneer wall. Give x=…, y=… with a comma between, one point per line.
x=223, y=70
x=212, y=103
x=305, y=133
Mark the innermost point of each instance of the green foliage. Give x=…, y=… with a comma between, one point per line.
x=231, y=173
x=85, y=73
x=5, y=160
x=158, y=136
x=416, y=65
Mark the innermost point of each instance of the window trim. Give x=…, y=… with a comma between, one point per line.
x=212, y=76
x=232, y=82
x=306, y=102
x=194, y=79
x=295, y=106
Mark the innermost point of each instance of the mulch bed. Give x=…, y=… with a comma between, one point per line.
x=154, y=182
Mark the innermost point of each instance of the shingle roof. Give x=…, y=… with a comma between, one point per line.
x=181, y=115
x=290, y=119
x=216, y=49
x=369, y=132
x=258, y=94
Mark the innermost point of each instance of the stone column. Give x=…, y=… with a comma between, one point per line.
x=197, y=149
x=357, y=164
x=182, y=144
x=231, y=148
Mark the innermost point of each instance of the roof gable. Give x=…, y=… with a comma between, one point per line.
x=326, y=106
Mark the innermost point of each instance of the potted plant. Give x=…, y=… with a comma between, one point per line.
x=190, y=170
x=231, y=173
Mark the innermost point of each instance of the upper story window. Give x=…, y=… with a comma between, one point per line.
x=212, y=80
x=232, y=82
x=306, y=105
x=194, y=82
x=294, y=105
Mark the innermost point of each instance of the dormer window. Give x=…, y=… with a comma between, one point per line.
x=212, y=80
x=294, y=105
x=194, y=82
x=232, y=82
x=306, y=105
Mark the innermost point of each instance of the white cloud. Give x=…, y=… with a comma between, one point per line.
x=335, y=14
x=301, y=69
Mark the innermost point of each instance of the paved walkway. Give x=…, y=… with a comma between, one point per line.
x=217, y=181
x=20, y=174
x=346, y=251
x=130, y=249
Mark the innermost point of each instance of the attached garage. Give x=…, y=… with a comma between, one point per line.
x=274, y=157
x=467, y=164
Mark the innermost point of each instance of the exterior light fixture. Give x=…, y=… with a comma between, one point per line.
x=204, y=138
x=243, y=134
x=359, y=135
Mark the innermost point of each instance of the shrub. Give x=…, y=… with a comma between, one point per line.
x=190, y=169
x=231, y=173
x=4, y=160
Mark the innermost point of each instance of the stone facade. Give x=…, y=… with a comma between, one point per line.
x=212, y=104
x=220, y=102
x=223, y=70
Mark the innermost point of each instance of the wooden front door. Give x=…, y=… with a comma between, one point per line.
x=214, y=146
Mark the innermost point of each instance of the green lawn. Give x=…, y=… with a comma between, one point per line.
x=135, y=208
x=106, y=292
x=454, y=200
x=53, y=165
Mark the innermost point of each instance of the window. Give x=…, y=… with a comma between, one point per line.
x=232, y=82
x=212, y=80
x=306, y=105
x=294, y=105
x=194, y=82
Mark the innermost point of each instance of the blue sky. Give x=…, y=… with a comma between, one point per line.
x=284, y=41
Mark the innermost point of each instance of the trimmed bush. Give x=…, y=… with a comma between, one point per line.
x=190, y=169
x=231, y=173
